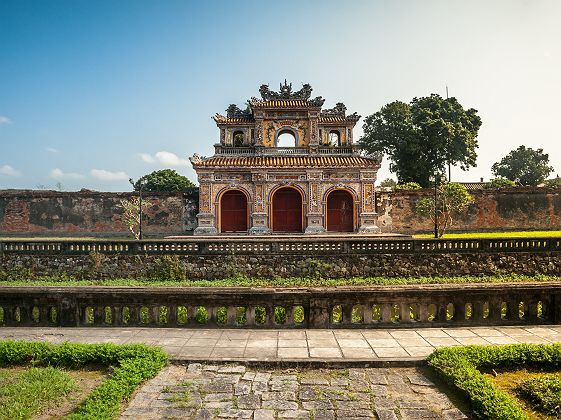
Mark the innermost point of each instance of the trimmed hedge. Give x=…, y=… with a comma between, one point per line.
x=461, y=367
x=133, y=364
x=544, y=392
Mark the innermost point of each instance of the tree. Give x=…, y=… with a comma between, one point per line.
x=553, y=182
x=388, y=182
x=131, y=214
x=524, y=165
x=422, y=137
x=165, y=180
x=452, y=199
x=408, y=186
x=499, y=183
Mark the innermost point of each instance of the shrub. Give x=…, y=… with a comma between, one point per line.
x=410, y=186
x=169, y=267
x=133, y=365
x=461, y=367
x=499, y=183
x=553, y=182
x=544, y=392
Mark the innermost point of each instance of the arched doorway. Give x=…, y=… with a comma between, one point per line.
x=340, y=211
x=233, y=212
x=287, y=210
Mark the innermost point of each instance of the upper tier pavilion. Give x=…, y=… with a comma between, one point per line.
x=283, y=165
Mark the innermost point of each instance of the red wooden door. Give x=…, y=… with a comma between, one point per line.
x=233, y=212
x=340, y=212
x=287, y=210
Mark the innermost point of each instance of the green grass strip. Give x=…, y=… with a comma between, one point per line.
x=133, y=364
x=461, y=366
x=23, y=394
x=496, y=235
x=242, y=281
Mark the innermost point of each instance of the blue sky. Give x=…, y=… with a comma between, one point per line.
x=93, y=92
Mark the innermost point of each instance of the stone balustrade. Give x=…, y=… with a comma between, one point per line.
x=323, y=245
x=358, y=307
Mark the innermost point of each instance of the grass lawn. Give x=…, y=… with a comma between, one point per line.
x=51, y=392
x=38, y=376
x=492, y=235
x=509, y=380
x=279, y=282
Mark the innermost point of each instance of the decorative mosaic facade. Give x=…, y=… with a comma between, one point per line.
x=255, y=184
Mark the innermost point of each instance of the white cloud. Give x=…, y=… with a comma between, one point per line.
x=9, y=171
x=164, y=158
x=52, y=150
x=59, y=175
x=104, y=175
x=5, y=120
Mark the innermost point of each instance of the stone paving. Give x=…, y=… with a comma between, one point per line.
x=205, y=391
x=300, y=345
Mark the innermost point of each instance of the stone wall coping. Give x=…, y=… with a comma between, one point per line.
x=502, y=288
x=23, y=194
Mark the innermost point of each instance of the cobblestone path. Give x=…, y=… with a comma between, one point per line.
x=234, y=391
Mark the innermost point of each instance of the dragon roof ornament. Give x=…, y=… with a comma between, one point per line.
x=285, y=92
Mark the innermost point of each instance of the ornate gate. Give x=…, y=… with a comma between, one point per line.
x=287, y=210
x=340, y=211
x=233, y=212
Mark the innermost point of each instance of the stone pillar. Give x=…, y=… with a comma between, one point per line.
x=206, y=219
x=368, y=218
x=259, y=218
x=314, y=211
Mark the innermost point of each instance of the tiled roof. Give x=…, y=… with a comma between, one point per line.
x=473, y=186
x=221, y=119
x=282, y=103
x=287, y=161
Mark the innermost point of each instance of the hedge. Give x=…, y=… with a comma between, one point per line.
x=132, y=365
x=461, y=366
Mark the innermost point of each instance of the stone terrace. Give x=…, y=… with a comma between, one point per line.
x=205, y=391
x=356, y=347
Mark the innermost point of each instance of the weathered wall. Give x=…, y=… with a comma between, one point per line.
x=519, y=208
x=51, y=213
x=267, y=266
x=92, y=213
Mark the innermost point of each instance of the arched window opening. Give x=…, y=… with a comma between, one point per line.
x=286, y=139
x=238, y=138
x=334, y=138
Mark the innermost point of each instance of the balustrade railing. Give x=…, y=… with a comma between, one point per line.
x=384, y=307
x=278, y=245
x=252, y=150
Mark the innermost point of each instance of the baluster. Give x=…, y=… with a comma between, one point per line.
x=172, y=315
x=367, y=314
x=270, y=318
x=423, y=312
x=512, y=310
x=347, y=310
x=494, y=310
x=386, y=312
x=117, y=315
x=459, y=311
x=251, y=316
x=532, y=316
x=212, y=316
x=99, y=315
x=43, y=315
x=135, y=316
x=154, y=315
x=231, y=316
x=290, y=316
x=9, y=316
x=477, y=312
x=404, y=315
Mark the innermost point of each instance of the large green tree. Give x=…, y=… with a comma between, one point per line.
x=524, y=165
x=165, y=180
x=423, y=136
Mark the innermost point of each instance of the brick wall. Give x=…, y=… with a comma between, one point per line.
x=92, y=213
x=520, y=208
